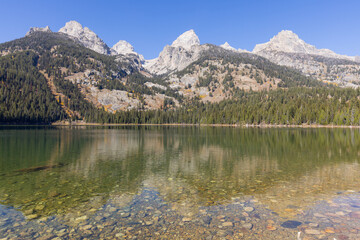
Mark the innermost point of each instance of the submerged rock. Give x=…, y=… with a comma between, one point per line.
x=81, y=219
x=186, y=219
x=32, y=216
x=206, y=220
x=149, y=223
x=249, y=209
x=125, y=214
x=291, y=224
x=39, y=207
x=247, y=226
x=228, y=224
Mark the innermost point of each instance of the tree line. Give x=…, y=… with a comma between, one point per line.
x=298, y=106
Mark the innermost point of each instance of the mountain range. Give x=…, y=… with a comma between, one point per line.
x=118, y=78
x=286, y=48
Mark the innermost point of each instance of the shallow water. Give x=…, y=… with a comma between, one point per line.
x=179, y=183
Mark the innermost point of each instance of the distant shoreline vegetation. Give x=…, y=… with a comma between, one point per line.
x=295, y=106
x=82, y=124
x=85, y=124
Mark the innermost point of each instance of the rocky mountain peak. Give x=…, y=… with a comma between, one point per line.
x=183, y=51
x=285, y=41
x=123, y=47
x=287, y=34
x=87, y=37
x=38, y=29
x=71, y=27
x=187, y=40
x=289, y=42
x=227, y=46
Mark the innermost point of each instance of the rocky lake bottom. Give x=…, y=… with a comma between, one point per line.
x=179, y=183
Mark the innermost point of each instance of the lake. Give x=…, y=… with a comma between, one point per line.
x=179, y=183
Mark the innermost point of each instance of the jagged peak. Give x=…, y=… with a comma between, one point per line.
x=286, y=41
x=227, y=46
x=288, y=34
x=74, y=28
x=187, y=40
x=38, y=29
x=123, y=47
x=87, y=37
x=71, y=26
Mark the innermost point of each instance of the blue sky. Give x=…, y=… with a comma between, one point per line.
x=150, y=25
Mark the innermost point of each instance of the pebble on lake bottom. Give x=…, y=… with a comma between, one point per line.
x=312, y=231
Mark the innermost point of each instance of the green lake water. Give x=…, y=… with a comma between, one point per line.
x=179, y=183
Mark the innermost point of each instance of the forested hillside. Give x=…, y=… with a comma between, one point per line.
x=24, y=94
x=49, y=77
x=295, y=106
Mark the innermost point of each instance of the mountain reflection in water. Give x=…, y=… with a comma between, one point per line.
x=69, y=171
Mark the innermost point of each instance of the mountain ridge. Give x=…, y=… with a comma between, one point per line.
x=81, y=84
x=285, y=48
x=189, y=38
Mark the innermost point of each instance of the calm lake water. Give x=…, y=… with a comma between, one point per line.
x=179, y=183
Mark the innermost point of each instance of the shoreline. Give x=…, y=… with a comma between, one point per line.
x=84, y=124
x=205, y=125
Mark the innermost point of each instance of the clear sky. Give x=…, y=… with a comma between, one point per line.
x=150, y=25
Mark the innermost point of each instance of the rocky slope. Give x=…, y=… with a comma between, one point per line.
x=124, y=52
x=38, y=29
x=221, y=74
x=288, y=49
